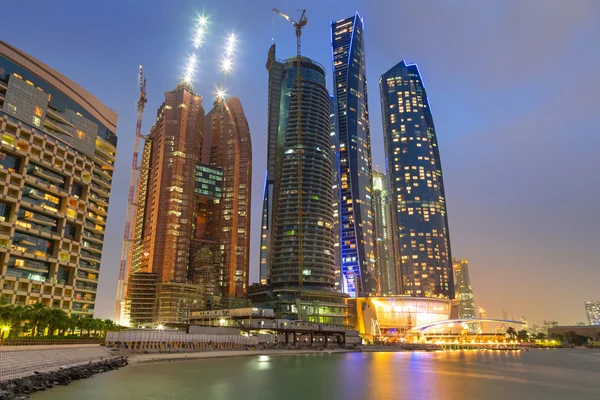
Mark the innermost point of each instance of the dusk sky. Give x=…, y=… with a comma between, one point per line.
x=513, y=85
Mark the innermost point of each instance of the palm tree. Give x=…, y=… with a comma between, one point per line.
x=18, y=315
x=56, y=320
x=38, y=315
x=84, y=325
x=97, y=325
x=72, y=324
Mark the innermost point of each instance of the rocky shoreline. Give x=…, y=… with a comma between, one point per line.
x=22, y=388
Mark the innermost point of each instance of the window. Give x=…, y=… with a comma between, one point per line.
x=37, y=121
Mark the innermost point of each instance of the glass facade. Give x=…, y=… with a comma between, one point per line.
x=209, y=181
x=383, y=233
x=310, y=266
x=414, y=172
x=357, y=240
x=464, y=291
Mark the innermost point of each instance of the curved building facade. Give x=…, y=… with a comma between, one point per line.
x=357, y=232
x=392, y=315
x=302, y=250
x=416, y=184
x=57, y=155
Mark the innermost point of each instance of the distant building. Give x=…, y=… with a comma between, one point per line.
x=57, y=157
x=482, y=313
x=592, y=310
x=547, y=325
x=464, y=291
x=357, y=233
x=416, y=184
x=386, y=262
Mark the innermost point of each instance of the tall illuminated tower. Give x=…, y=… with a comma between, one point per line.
x=388, y=277
x=354, y=157
x=416, y=183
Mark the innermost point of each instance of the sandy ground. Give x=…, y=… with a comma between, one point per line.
x=167, y=357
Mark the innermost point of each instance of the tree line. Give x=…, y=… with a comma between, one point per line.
x=38, y=320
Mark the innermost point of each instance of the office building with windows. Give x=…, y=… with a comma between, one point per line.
x=228, y=147
x=414, y=171
x=464, y=291
x=357, y=234
x=592, y=311
x=57, y=159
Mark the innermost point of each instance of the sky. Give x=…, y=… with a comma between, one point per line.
x=513, y=87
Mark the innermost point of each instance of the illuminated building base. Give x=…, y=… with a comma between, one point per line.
x=395, y=315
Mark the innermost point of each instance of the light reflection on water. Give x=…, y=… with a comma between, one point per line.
x=457, y=375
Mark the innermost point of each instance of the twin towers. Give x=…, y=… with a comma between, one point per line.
x=319, y=218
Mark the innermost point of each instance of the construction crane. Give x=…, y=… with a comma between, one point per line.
x=298, y=25
x=131, y=201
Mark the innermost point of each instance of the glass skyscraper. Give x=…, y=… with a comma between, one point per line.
x=464, y=291
x=383, y=233
x=353, y=147
x=416, y=184
x=317, y=249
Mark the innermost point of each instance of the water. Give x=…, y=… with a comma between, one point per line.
x=538, y=374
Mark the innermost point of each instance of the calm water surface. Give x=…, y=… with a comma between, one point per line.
x=538, y=374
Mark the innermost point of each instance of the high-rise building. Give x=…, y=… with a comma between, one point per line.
x=592, y=310
x=227, y=146
x=414, y=172
x=297, y=249
x=464, y=291
x=386, y=264
x=336, y=198
x=57, y=159
x=357, y=236
x=164, y=226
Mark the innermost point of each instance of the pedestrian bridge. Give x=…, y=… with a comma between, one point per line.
x=472, y=328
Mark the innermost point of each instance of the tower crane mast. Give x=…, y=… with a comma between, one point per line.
x=131, y=202
x=300, y=236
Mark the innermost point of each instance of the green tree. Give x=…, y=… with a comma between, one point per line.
x=511, y=333
x=38, y=316
x=522, y=335
x=84, y=325
x=96, y=324
x=57, y=320
x=18, y=316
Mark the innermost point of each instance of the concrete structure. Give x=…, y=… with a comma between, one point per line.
x=389, y=282
x=464, y=291
x=414, y=172
x=228, y=147
x=395, y=315
x=592, y=311
x=163, y=228
x=353, y=146
x=20, y=361
x=591, y=331
x=57, y=158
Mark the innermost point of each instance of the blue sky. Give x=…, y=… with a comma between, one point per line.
x=513, y=87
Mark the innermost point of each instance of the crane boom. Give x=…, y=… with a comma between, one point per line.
x=131, y=202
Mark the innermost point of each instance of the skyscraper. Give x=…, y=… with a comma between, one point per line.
x=162, y=244
x=56, y=165
x=354, y=157
x=227, y=146
x=464, y=291
x=336, y=197
x=592, y=310
x=383, y=235
x=414, y=171
x=297, y=249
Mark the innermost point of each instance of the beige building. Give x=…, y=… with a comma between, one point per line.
x=58, y=148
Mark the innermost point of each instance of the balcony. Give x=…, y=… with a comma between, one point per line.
x=88, y=266
x=99, y=190
x=86, y=255
x=99, y=200
x=93, y=237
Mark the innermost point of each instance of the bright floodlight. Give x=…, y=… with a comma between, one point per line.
x=220, y=94
x=160, y=327
x=227, y=63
